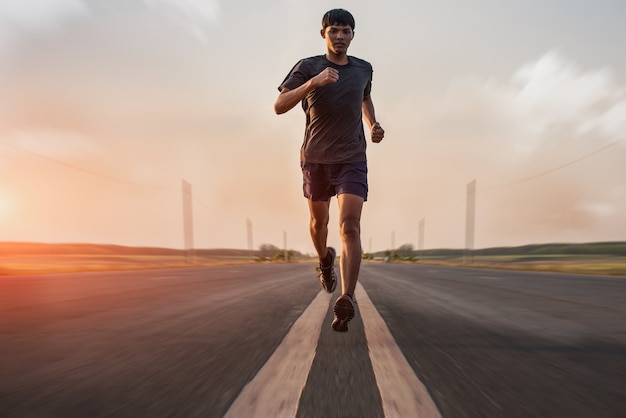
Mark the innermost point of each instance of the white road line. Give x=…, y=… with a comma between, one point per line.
x=276, y=389
x=402, y=393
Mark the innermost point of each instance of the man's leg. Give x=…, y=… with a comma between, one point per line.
x=318, y=225
x=319, y=234
x=350, y=206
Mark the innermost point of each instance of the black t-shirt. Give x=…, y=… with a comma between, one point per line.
x=334, y=121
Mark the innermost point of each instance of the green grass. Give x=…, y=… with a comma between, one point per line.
x=611, y=266
x=26, y=258
x=63, y=263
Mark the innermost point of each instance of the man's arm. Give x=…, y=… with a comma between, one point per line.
x=287, y=98
x=377, y=132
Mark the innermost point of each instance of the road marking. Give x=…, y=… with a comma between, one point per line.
x=402, y=393
x=276, y=389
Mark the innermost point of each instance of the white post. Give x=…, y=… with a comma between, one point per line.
x=470, y=215
x=285, y=246
x=420, y=237
x=250, y=243
x=188, y=221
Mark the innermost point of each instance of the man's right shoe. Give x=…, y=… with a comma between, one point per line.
x=344, y=312
x=328, y=277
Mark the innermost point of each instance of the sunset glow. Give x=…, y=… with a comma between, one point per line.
x=105, y=109
x=4, y=206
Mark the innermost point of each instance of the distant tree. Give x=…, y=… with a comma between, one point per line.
x=268, y=250
x=405, y=250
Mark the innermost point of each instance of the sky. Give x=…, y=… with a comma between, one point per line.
x=106, y=106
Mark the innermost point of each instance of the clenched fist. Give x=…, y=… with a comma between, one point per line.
x=327, y=76
x=378, y=133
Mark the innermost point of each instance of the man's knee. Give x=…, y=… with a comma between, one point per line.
x=319, y=224
x=319, y=215
x=350, y=228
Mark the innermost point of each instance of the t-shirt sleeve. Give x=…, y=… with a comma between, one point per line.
x=296, y=77
x=368, y=86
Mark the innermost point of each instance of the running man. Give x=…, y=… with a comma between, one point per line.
x=334, y=89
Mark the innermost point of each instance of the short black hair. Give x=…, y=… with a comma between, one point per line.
x=339, y=17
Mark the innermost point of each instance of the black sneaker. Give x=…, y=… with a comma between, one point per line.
x=328, y=277
x=344, y=312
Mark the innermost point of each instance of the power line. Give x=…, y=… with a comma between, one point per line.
x=201, y=203
x=77, y=168
x=552, y=170
x=442, y=214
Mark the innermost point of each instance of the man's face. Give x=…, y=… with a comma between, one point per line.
x=338, y=38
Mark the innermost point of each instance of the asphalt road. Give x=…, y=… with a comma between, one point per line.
x=184, y=343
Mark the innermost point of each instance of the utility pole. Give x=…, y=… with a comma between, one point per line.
x=286, y=253
x=470, y=216
x=249, y=231
x=420, y=238
x=188, y=221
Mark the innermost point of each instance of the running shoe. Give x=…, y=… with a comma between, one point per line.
x=344, y=312
x=328, y=277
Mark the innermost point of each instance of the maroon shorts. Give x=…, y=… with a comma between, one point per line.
x=322, y=181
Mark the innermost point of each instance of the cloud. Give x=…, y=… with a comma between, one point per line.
x=193, y=15
x=18, y=17
x=538, y=125
x=556, y=92
x=53, y=143
x=545, y=100
x=39, y=14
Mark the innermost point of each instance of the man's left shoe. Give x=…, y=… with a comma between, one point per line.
x=328, y=277
x=344, y=310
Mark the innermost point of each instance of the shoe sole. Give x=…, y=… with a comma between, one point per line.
x=344, y=312
x=333, y=286
x=325, y=285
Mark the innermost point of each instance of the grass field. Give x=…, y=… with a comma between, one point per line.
x=64, y=263
x=25, y=259
x=612, y=266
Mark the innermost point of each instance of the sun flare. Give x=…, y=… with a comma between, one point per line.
x=4, y=205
